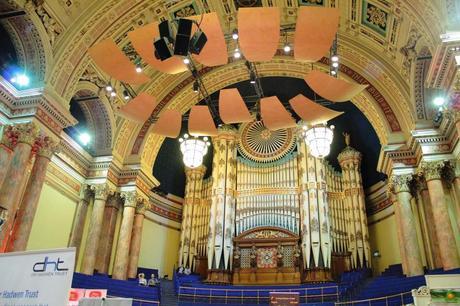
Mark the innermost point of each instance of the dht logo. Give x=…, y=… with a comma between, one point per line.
x=43, y=265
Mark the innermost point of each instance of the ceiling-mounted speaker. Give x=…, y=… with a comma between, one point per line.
x=184, y=31
x=165, y=30
x=197, y=42
x=163, y=50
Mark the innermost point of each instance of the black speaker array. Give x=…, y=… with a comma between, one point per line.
x=183, y=44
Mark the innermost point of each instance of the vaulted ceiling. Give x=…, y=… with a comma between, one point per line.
x=379, y=41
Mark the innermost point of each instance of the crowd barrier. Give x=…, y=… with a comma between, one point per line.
x=390, y=300
x=254, y=295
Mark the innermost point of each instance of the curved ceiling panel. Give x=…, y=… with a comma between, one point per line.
x=214, y=52
x=312, y=112
x=331, y=88
x=169, y=124
x=110, y=59
x=315, y=31
x=259, y=32
x=274, y=115
x=138, y=109
x=142, y=40
x=200, y=122
x=232, y=108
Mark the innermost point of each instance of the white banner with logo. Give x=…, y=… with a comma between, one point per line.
x=36, y=278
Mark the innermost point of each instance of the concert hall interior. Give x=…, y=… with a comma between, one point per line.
x=204, y=152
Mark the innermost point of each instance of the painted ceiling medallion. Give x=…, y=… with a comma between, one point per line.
x=262, y=145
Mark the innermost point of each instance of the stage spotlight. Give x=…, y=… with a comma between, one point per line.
x=109, y=88
x=138, y=69
x=333, y=72
x=126, y=95
x=252, y=78
x=113, y=94
x=235, y=34
x=84, y=138
x=439, y=101
x=237, y=53
x=335, y=58
x=287, y=48
x=196, y=86
x=186, y=61
x=20, y=79
x=335, y=64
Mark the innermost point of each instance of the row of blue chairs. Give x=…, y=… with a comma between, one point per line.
x=119, y=288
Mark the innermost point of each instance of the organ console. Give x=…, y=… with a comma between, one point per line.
x=268, y=195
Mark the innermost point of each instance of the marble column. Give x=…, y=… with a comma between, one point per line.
x=10, y=190
x=430, y=221
x=136, y=238
x=402, y=247
x=108, y=232
x=79, y=219
x=455, y=170
x=120, y=268
x=26, y=213
x=101, y=192
x=400, y=185
x=7, y=145
x=444, y=232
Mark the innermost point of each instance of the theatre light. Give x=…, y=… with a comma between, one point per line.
x=193, y=150
x=235, y=34
x=237, y=53
x=84, y=138
x=318, y=139
x=109, y=88
x=287, y=48
x=20, y=79
x=138, y=69
x=439, y=101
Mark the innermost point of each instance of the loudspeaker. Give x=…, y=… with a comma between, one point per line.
x=165, y=30
x=197, y=42
x=162, y=49
x=184, y=31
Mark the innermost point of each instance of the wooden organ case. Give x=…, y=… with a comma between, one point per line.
x=271, y=213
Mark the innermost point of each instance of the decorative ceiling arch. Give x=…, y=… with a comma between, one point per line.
x=30, y=42
x=149, y=143
x=99, y=115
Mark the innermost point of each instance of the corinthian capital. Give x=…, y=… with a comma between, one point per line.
x=85, y=193
x=132, y=198
x=142, y=206
x=101, y=191
x=9, y=137
x=27, y=132
x=47, y=147
x=432, y=170
x=400, y=183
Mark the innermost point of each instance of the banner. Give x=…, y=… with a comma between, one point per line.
x=36, y=278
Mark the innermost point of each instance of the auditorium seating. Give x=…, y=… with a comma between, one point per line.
x=118, y=288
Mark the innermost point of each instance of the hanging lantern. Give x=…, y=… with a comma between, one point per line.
x=318, y=139
x=193, y=150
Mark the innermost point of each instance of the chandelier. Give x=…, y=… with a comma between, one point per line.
x=193, y=150
x=319, y=139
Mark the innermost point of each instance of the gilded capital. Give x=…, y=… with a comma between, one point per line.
x=47, y=147
x=131, y=198
x=196, y=172
x=101, y=191
x=113, y=200
x=85, y=193
x=432, y=170
x=27, y=132
x=400, y=183
x=9, y=137
x=142, y=206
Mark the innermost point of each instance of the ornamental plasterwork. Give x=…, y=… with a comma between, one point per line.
x=266, y=234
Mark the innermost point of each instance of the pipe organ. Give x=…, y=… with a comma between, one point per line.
x=271, y=212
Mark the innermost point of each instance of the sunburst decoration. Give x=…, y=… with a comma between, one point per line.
x=262, y=145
